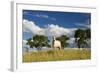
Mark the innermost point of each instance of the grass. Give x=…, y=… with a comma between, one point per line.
x=57, y=55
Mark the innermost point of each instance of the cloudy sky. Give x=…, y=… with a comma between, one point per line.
x=51, y=23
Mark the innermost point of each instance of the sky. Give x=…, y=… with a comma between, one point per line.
x=64, y=19
x=52, y=23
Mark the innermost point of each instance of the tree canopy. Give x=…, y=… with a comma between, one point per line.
x=38, y=41
x=81, y=37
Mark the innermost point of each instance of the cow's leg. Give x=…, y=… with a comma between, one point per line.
x=60, y=47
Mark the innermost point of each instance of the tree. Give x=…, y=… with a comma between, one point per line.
x=88, y=38
x=81, y=37
x=63, y=39
x=30, y=42
x=88, y=33
x=38, y=41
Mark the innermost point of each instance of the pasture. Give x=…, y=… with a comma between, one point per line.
x=56, y=55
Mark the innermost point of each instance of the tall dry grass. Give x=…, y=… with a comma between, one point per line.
x=57, y=55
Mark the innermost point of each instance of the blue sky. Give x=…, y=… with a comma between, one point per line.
x=59, y=20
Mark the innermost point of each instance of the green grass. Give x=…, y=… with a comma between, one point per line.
x=57, y=55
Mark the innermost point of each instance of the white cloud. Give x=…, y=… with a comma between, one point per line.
x=72, y=43
x=45, y=16
x=49, y=30
x=42, y=16
x=83, y=25
x=24, y=42
x=55, y=30
x=86, y=24
x=24, y=45
x=30, y=26
x=71, y=40
x=39, y=15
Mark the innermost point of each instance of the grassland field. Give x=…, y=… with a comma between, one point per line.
x=56, y=55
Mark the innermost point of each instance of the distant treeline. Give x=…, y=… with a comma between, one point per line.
x=82, y=36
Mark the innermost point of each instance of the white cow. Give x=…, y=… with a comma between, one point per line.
x=56, y=43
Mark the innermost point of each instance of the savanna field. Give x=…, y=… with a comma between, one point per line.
x=57, y=55
x=44, y=31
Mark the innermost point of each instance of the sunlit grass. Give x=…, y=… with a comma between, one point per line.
x=57, y=55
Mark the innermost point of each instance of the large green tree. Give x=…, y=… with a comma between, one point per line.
x=63, y=39
x=81, y=37
x=88, y=33
x=38, y=41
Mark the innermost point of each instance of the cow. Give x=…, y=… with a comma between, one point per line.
x=56, y=43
